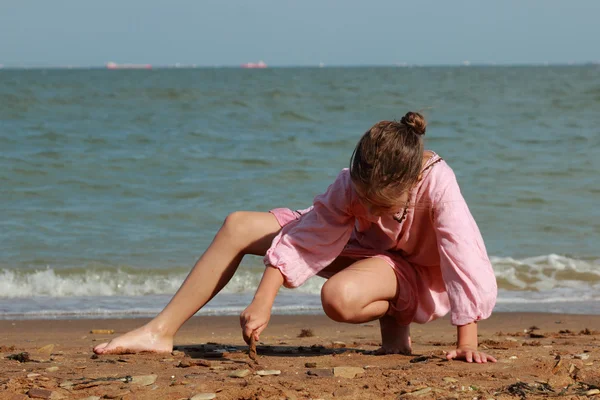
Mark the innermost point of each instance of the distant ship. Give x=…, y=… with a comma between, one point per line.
x=260, y=64
x=112, y=65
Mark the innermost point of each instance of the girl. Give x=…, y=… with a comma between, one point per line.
x=392, y=234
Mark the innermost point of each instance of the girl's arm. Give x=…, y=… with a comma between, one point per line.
x=466, y=345
x=255, y=317
x=466, y=268
x=309, y=244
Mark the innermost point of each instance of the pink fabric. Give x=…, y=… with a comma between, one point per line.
x=437, y=251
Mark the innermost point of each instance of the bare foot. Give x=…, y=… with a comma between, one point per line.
x=136, y=341
x=395, y=338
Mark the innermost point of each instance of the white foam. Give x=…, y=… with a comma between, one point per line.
x=49, y=282
x=545, y=272
x=534, y=274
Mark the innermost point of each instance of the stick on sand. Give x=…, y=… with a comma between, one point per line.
x=252, y=349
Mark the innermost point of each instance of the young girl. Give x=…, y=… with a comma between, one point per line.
x=392, y=234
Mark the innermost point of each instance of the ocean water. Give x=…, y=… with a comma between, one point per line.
x=113, y=183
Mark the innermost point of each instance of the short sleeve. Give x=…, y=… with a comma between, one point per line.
x=465, y=265
x=308, y=245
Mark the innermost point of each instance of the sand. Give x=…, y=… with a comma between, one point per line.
x=539, y=356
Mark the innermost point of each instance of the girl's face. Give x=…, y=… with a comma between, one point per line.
x=379, y=206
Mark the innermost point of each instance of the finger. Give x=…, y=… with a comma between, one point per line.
x=247, y=333
x=243, y=320
x=259, y=330
x=451, y=355
x=490, y=358
x=477, y=357
x=246, y=337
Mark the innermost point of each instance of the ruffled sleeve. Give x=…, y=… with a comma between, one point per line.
x=308, y=245
x=466, y=268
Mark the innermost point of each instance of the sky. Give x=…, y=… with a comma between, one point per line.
x=298, y=33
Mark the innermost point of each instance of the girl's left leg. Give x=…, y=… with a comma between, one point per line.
x=361, y=292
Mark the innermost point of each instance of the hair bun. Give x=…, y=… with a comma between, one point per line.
x=415, y=122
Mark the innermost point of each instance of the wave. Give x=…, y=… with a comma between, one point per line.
x=535, y=274
x=545, y=273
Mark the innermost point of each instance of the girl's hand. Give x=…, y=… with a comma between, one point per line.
x=469, y=354
x=254, y=320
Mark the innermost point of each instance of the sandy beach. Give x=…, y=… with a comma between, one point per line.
x=539, y=356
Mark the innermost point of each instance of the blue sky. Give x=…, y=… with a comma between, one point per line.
x=282, y=32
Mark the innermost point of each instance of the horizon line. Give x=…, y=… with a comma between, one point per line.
x=135, y=66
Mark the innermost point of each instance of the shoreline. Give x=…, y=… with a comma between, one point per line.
x=560, y=350
x=571, y=307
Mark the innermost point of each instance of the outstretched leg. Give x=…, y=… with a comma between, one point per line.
x=242, y=233
x=361, y=292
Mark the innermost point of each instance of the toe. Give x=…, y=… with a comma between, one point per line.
x=100, y=348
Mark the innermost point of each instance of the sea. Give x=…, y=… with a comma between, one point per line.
x=114, y=182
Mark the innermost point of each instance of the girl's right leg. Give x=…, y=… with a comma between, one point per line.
x=361, y=291
x=242, y=233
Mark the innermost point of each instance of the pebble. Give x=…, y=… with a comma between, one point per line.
x=37, y=393
x=347, y=372
x=144, y=380
x=33, y=375
x=102, y=331
x=320, y=372
x=266, y=372
x=419, y=392
x=343, y=392
x=67, y=385
x=46, y=349
x=338, y=345
x=177, y=353
x=92, y=398
x=240, y=373
x=583, y=356
x=203, y=396
x=592, y=392
x=52, y=369
x=119, y=395
x=310, y=365
x=216, y=368
x=449, y=379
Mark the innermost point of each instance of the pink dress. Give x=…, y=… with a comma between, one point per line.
x=434, y=246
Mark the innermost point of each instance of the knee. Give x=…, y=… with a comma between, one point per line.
x=340, y=300
x=236, y=227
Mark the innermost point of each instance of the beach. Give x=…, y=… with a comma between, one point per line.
x=115, y=182
x=304, y=357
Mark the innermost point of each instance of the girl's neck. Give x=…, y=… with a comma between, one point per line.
x=427, y=155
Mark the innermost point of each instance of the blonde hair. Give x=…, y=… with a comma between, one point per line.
x=388, y=158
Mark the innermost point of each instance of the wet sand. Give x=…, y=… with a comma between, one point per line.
x=539, y=356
